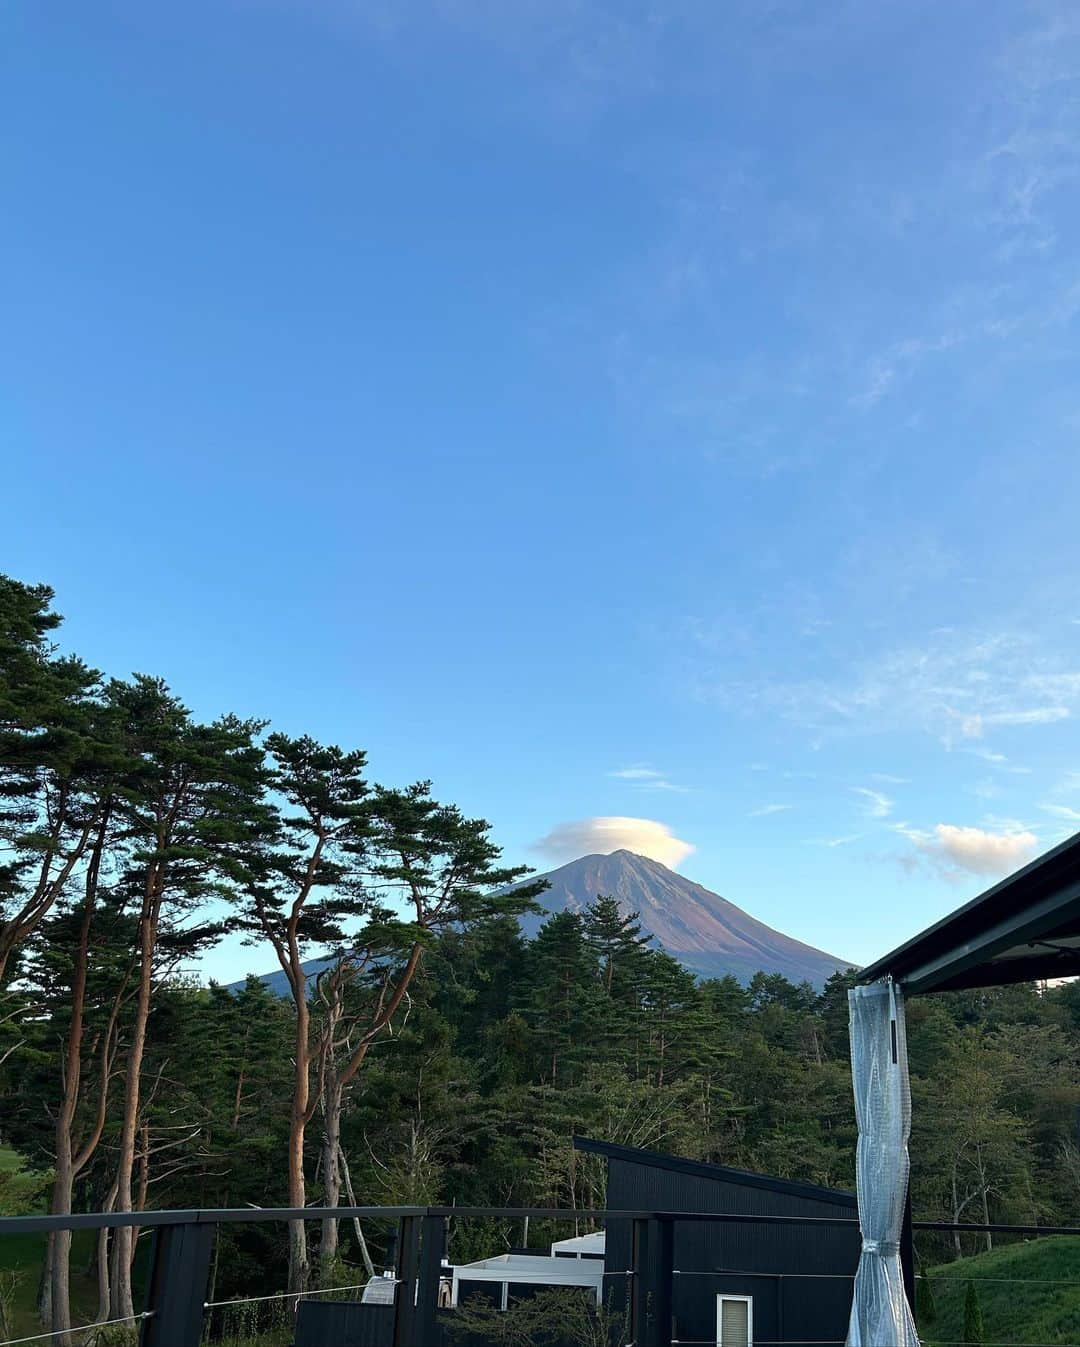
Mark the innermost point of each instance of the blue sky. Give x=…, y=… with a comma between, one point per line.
x=611, y=411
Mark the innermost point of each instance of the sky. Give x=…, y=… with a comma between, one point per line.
x=656, y=424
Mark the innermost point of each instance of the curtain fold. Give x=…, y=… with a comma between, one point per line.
x=880, y=1314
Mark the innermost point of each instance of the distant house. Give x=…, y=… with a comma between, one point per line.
x=737, y=1284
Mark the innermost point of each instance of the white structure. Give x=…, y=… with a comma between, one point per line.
x=581, y=1246
x=379, y=1290
x=519, y=1269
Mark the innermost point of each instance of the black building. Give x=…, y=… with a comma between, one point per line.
x=738, y=1284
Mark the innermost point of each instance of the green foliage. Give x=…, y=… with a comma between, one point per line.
x=21, y=1189
x=552, y=1317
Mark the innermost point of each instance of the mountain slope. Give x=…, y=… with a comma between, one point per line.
x=705, y=932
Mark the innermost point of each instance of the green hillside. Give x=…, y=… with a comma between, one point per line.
x=23, y=1191
x=1020, y=1292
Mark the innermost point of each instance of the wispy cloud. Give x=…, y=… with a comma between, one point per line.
x=875, y=803
x=764, y=810
x=643, y=777
x=955, y=685
x=1035, y=715
x=1062, y=811
x=842, y=841
x=637, y=773
x=584, y=837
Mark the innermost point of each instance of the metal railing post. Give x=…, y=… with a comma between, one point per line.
x=639, y=1282
x=405, y=1272
x=432, y=1242
x=661, y=1254
x=179, y=1273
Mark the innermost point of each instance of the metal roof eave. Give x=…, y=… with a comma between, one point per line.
x=718, y=1173
x=965, y=948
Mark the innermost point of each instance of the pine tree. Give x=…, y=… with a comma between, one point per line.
x=52, y=761
x=617, y=942
x=559, y=998
x=191, y=805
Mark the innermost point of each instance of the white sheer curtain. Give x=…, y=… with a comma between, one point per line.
x=880, y=1314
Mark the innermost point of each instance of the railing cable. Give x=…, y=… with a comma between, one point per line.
x=79, y=1328
x=292, y=1295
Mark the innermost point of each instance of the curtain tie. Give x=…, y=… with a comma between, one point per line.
x=886, y=1248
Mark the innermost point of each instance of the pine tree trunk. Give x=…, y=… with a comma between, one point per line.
x=58, y=1259
x=331, y=1168
x=299, y=1270
x=44, y=1296
x=59, y=1248
x=122, y=1305
x=104, y=1253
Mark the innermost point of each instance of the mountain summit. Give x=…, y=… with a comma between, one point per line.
x=705, y=932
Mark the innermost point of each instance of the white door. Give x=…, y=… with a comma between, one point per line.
x=734, y=1321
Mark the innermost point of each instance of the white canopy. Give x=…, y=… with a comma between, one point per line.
x=519, y=1269
x=580, y=1244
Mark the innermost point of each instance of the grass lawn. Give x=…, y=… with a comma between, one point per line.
x=262, y=1324
x=21, y=1256
x=1017, y=1303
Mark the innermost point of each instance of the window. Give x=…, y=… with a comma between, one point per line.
x=734, y=1321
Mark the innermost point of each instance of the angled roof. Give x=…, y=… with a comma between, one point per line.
x=532, y=1269
x=718, y=1173
x=1024, y=929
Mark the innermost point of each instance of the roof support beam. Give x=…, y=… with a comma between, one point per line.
x=971, y=958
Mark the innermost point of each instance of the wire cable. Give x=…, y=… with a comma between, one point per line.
x=79, y=1328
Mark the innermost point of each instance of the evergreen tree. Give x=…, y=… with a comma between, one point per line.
x=52, y=764
x=191, y=803
x=559, y=998
x=617, y=943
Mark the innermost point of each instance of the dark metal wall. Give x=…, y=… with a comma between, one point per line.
x=320, y=1323
x=798, y=1275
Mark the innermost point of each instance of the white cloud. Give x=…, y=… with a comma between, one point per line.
x=763, y=811
x=968, y=726
x=1037, y=715
x=834, y=841
x=978, y=851
x=999, y=760
x=584, y=837
x=1062, y=811
x=878, y=805
x=645, y=777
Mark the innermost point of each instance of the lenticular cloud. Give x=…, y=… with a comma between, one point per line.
x=586, y=836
